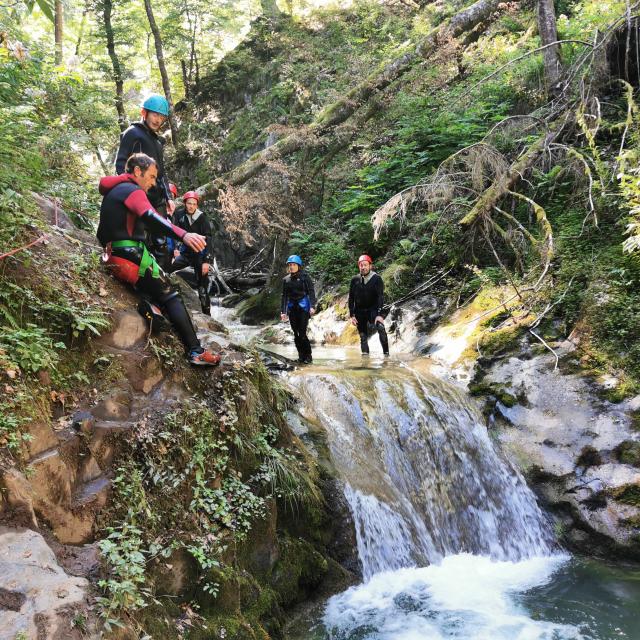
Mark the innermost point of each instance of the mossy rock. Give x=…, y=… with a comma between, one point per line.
x=158, y=620
x=627, y=494
x=496, y=343
x=227, y=599
x=628, y=452
x=229, y=627
x=260, y=308
x=298, y=572
x=493, y=389
x=589, y=457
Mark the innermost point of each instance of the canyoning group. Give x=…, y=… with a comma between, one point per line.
x=142, y=246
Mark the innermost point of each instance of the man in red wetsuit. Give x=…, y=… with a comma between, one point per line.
x=125, y=214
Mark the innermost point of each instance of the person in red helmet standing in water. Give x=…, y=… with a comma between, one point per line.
x=144, y=137
x=191, y=219
x=366, y=299
x=125, y=215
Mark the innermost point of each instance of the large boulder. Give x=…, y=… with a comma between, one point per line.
x=37, y=598
x=577, y=450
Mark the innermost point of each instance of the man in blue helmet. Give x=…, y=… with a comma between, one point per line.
x=298, y=304
x=143, y=137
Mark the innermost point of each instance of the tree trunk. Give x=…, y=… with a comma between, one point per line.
x=185, y=78
x=107, y=9
x=503, y=185
x=197, y=65
x=270, y=9
x=83, y=22
x=162, y=68
x=58, y=28
x=343, y=109
x=548, y=34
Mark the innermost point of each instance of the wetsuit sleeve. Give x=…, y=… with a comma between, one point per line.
x=206, y=232
x=379, y=295
x=311, y=292
x=284, y=300
x=129, y=144
x=352, y=302
x=138, y=203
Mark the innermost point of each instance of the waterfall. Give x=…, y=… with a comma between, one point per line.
x=421, y=475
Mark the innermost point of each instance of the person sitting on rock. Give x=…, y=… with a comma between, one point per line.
x=366, y=298
x=125, y=215
x=298, y=304
x=191, y=219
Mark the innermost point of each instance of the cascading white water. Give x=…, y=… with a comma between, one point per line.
x=447, y=531
x=421, y=475
x=384, y=539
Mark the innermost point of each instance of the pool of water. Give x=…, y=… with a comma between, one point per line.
x=468, y=597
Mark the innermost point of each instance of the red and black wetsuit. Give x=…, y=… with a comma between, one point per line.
x=125, y=214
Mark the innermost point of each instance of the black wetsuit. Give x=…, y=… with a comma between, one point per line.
x=298, y=298
x=366, y=299
x=125, y=215
x=138, y=138
x=194, y=259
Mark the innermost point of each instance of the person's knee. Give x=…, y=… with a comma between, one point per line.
x=159, y=288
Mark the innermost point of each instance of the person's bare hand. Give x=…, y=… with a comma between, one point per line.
x=283, y=317
x=354, y=322
x=176, y=253
x=171, y=206
x=312, y=311
x=195, y=241
x=379, y=319
x=205, y=268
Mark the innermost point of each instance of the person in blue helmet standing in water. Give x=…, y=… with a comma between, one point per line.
x=143, y=137
x=298, y=304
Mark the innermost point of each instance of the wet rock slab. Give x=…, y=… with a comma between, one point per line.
x=574, y=447
x=37, y=597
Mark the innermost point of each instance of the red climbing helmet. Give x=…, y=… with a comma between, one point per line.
x=191, y=194
x=173, y=189
x=365, y=258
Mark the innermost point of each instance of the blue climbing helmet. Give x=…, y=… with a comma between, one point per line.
x=295, y=259
x=156, y=103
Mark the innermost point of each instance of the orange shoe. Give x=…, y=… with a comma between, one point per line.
x=204, y=359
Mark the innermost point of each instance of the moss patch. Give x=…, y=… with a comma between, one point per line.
x=262, y=307
x=627, y=494
x=494, y=389
x=628, y=452
x=589, y=457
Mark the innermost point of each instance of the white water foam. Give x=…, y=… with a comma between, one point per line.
x=464, y=597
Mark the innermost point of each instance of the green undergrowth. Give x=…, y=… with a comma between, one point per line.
x=291, y=68
x=435, y=109
x=198, y=481
x=49, y=301
x=41, y=331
